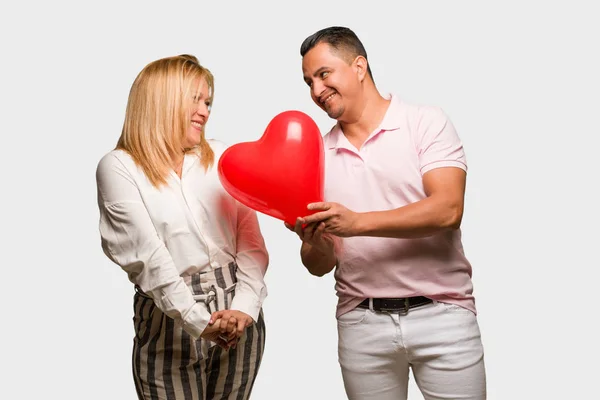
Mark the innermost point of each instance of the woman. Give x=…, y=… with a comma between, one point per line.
x=196, y=256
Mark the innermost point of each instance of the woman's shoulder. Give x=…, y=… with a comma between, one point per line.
x=116, y=156
x=218, y=146
x=115, y=160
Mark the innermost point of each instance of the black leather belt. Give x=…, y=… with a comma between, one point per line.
x=396, y=305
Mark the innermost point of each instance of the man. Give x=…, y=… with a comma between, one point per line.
x=394, y=191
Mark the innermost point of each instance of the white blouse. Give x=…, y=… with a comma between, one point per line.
x=193, y=225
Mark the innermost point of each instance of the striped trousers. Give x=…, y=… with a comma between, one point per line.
x=169, y=365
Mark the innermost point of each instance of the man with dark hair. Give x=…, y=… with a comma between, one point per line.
x=342, y=41
x=394, y=190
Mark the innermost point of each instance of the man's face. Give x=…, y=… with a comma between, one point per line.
x=334, y=83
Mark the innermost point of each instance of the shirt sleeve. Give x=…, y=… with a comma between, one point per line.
x=130, y=240
x=252, y=260
x=438, y=141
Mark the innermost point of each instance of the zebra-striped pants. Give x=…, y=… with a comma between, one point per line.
x=169, y=364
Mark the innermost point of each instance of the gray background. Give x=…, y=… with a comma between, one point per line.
x=518, y=79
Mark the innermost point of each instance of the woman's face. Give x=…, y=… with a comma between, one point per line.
x=199, y=111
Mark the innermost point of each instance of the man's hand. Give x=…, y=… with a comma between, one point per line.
x=318, y=251
x=223, y=321
x=226, y=338
x=334, y=218
x=314, y=235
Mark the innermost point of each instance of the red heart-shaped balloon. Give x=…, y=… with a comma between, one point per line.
x=282, y=172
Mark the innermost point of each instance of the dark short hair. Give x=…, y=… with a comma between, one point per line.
x=340, y=39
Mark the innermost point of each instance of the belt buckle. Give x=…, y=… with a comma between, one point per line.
x=404, y=310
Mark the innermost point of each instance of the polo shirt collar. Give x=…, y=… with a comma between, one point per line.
x=392, y=120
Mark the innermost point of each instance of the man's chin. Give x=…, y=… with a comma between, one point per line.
x=334, y=114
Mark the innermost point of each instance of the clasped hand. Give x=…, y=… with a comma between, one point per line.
x=226, y=327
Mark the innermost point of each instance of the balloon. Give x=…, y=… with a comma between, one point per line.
x=282, y=172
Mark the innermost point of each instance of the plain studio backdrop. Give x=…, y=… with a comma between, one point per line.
x=518, y=79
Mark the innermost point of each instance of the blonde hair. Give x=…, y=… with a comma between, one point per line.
x=156, y=119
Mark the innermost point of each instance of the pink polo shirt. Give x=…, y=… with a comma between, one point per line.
x=386, y=173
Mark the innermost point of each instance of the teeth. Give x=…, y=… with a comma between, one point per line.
x=328, y=98
x=197, y=124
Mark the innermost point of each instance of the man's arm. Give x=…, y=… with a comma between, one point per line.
x=318, y=249
x=316, y=262
x=441, y=210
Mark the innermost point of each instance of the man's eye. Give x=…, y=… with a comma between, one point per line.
x=324, y=74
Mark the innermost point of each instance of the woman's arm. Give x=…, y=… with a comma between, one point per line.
x=130, y=240
x=252, y=260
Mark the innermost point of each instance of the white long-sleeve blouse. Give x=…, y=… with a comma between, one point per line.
x=159, y=236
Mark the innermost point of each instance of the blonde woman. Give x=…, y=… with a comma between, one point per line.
x=196, y=256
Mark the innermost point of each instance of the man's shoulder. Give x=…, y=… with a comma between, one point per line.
x=420, y=110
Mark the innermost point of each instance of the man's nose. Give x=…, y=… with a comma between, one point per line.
x=317, y=89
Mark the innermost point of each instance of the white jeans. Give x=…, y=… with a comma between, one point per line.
x=440, y=342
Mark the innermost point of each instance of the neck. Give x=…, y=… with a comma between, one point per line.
x=365, y=117
x=177, y=160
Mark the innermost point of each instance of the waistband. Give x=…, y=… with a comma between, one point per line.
x=215, y=288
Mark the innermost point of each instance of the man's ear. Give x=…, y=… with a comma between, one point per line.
x=360, y=66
